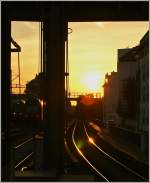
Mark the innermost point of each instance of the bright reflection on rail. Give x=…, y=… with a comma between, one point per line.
x=91, y=140
x=112, y=157
x=79, y=151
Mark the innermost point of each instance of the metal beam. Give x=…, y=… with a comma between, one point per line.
x=16, y=45
x=81, y=11
x=54, y=32
x=14, y=50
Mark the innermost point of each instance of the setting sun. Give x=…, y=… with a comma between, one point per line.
x=92, y=81
x=92, y=51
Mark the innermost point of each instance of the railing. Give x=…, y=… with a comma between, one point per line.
x=77, y=94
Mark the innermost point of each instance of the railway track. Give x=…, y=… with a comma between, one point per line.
x=119, y=154
x=105, y=166
x=22, y=153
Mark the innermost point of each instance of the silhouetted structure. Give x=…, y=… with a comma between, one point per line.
x=55, y=16
x=88, y=108
x=17, y=49
x=133, y=86
x=34, y=87
x=110, y=99
x=143, y=62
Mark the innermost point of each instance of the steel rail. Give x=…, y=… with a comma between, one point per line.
x=22, y=161
x=87, y=161
x=112, y=158
x=23, y=143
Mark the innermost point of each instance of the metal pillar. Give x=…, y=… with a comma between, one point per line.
x=54, y=35
x=5, y=89
x=19, y=74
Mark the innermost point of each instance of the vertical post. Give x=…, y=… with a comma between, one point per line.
x=54, y=30
x=5, y=88
x=11, y=89
x=41, y=45
x=19, y=73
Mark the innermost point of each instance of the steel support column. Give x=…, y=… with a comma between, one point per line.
x=54, y=35
x=5, y=90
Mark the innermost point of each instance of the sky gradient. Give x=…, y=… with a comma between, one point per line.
x=92, y=50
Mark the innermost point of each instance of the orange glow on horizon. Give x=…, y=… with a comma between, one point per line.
x=87, y=100
x=92, y=50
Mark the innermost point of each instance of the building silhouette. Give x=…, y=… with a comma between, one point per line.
x=143, y=62
x=127, y=69
x=110, y=99
x=128, y=89
x=34, y=87
x=55, y=17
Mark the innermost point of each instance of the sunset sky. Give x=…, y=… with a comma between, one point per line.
x=92, y=50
